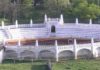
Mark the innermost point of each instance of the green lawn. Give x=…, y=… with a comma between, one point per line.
x=37, y=65
x=63, y=65
x=77, y=65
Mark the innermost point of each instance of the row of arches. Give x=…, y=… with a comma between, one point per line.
x=46, y=54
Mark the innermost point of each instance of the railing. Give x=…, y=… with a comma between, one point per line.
x=33, y=25
x=84, y=45
x=97, y=44
x=53, y=19
x=40, y=25
x=66, y=46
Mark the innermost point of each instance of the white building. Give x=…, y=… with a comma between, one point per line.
x=52, y=39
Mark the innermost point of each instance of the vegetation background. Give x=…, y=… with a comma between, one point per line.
x=24, y=10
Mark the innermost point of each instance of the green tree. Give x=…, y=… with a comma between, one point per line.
x=25, y=11
x=4, y=8
x=57, y=5
x=82, y=9
x=97, y=2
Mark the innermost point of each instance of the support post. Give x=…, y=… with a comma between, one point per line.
x=16, y=23
x=3, y=24
x=36, y=43
x=45, y=18
x=92, y=47
x=56, y=45
x=76, y=21
x=1, y=55
x=31, y=23
x=61, y=19
x=19, y=42
x=90, y=21
x=75, y=49
x=36, y=48
x=4, y=42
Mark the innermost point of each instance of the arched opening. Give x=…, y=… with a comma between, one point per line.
x=98, y=52
x=65, y=55
x=10, y=54
x=84, y=54
x=53, y=29
x=27, y=55
x=45, y=54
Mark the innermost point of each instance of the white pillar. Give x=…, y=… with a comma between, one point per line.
x=19, y=42
x=61, y=19
x=36, y=43
x=92, y=47
x=31, y=23
x=56, y=45
x=16, y=23
x=3, y=24
x=92, y=41
x=76, y=21
x=36, y=48
x=75, y=49
x=4, y=42
x=1, y=55
x=90, y=21
x=45, y=18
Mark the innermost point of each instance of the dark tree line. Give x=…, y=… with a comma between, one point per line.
x=35, y=9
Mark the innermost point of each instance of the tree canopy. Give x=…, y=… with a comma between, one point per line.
x=82, y=9
x=27, y=9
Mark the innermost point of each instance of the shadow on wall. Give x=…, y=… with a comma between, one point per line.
x=84, y=54
x=66, y=55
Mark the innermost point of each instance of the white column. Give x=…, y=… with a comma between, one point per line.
x=36, y=48
x=1, y=55
x=19, y=42
x=36, y=43
x=3, y=24
x=61, y=19
x=75, y=49
x=92, y=47
x=76, y=21
x=4, y=41
x=56, y=45
x=16, y=23
x=45, y=18
x=31, y=23
x=90, y=21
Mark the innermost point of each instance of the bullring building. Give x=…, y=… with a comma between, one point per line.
x=53, y=39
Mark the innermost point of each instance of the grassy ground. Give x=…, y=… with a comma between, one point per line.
x=77, y=65
x=9, y=65
x=63, y=65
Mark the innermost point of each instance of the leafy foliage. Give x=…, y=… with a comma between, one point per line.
x=82, y=9
x=27, y=9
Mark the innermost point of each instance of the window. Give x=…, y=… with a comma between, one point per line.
x=53, y=30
